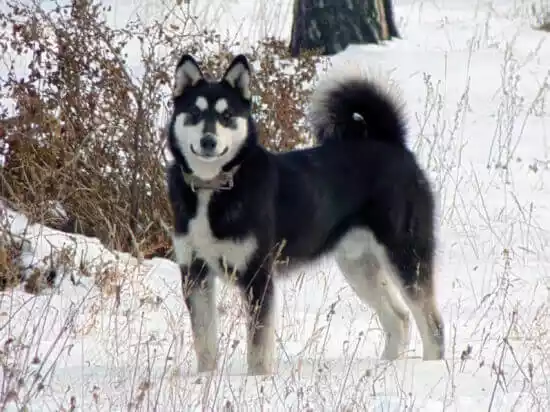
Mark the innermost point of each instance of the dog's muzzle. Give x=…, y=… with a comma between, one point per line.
x=208, y=147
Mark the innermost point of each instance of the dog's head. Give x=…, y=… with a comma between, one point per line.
x=209, y=124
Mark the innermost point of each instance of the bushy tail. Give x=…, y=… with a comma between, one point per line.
x=350, y=105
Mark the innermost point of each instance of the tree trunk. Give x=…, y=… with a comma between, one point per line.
x=329, y=26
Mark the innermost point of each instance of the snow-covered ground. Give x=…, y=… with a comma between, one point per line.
x=475, y=80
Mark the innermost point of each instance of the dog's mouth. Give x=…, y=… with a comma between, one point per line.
x=209, y=155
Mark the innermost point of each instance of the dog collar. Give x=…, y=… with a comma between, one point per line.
x=223, y=181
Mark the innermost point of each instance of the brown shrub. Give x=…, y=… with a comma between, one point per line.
x=86, y=130
x=9, y=271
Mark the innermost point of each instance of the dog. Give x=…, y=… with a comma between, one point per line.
x=244, y=213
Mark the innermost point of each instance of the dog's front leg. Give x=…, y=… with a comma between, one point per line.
x=258, y=293
x=199, y=292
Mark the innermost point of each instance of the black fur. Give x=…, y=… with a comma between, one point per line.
x=381, y=117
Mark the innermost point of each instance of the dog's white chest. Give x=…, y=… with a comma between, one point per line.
x=215, y=252
x=200, y=232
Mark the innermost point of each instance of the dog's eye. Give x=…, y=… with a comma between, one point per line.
x=226, y=116
x=194, y=114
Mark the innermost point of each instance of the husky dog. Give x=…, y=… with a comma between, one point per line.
x=239, y=209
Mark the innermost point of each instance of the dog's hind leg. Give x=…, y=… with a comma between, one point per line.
x=362, y=261
x=198, y=286
x=418, y=288
x=258, y=294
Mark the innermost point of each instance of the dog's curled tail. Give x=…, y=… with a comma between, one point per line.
x=348, y=104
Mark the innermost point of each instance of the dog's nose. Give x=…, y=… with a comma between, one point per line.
x=208, y=142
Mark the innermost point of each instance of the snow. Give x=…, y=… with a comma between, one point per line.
x=114, y=333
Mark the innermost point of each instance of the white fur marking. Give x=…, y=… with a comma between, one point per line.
x=201, y=103
x=187, y=135
x=366, y=266
x=232, y=138
x=357, y=117
x=369, y=271
x=235, y=253
x=205, y=325
x=182, y=249
x=221, y=105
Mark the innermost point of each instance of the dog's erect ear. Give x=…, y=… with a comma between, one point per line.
x=238, y=76
x=188, y=74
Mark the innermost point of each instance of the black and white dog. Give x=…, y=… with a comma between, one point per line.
x=240, y=210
